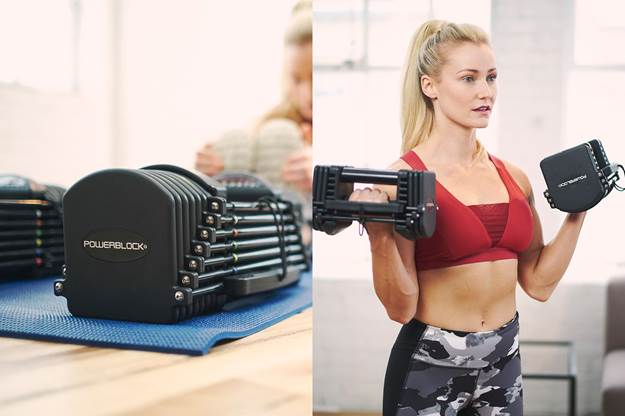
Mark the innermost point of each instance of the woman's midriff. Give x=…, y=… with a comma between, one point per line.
x=470, y=297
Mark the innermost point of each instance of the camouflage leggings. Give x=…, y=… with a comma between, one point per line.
x=434, y=371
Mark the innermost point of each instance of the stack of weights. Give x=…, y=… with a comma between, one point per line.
x=162, y=244
x=31, y=228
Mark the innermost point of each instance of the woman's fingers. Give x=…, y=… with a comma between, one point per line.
x=297, y=170
x=208, y=161
x=355, y=196
x=304, y=155
x=369, y=195
x=295, y=174
x=372, y=195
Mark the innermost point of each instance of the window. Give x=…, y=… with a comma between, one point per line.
x=370, y=34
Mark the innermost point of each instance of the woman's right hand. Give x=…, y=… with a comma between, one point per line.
x=208, y=161
x=374, y=229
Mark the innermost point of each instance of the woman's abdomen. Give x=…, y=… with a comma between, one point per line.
x=471, y=297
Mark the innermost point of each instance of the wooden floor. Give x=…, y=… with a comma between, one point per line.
x=268, y=373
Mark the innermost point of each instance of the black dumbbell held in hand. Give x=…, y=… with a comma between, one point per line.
x=412, y=213
x=580, y=177
x=373, y=195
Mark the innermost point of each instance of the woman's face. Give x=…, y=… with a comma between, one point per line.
x=465, y=89
x=298, y=68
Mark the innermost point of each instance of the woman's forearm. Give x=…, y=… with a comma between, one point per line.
x=555, y=257
x=396, y=287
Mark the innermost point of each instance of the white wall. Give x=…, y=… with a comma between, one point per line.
x=193, y=68
x=57, y=137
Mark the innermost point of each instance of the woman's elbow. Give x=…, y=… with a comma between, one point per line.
x=402, y=316
x=541, y=294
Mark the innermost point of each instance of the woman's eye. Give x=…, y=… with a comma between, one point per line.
x=492, y=77
x=467, y=78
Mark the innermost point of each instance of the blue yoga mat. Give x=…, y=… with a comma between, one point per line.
x=29, y=309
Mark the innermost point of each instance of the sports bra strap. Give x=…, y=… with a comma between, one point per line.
x=413, y=160
x=497, y=162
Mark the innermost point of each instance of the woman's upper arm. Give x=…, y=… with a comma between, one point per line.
x=529, y=257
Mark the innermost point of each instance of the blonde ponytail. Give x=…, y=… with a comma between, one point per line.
x=425, y=57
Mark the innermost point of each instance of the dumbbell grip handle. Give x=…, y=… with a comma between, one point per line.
x=354, y=175
x=356, y=207
x=610, y=170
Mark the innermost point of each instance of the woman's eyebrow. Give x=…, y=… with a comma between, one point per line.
x=474, y=70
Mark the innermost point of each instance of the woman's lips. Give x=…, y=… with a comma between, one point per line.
x=482, y=110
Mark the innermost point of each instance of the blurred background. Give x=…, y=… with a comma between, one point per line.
x=87, y=85
x=561, y=76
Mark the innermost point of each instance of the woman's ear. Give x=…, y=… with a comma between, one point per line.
x=427, y=86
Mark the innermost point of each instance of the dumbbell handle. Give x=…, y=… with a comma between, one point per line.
x=359, y=219
x=371, y=208
x=610, y=170
x=354, y=175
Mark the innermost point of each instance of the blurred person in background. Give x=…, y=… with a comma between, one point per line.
x=279, y=146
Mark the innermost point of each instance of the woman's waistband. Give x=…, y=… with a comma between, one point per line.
x=445, y=347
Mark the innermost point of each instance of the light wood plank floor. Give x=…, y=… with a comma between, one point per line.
x=268, y=373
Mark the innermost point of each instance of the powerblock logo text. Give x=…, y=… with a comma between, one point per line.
x=570, y=181
x=115, y=245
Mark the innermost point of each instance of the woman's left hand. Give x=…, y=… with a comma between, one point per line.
x=577, y=216
x=297, y=171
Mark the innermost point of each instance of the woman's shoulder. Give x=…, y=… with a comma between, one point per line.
x=399, y=164
x=391, y=190
x=409, y=159
x=519, y=176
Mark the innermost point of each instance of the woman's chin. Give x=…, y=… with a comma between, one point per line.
x=479, y=124
x=475, y=125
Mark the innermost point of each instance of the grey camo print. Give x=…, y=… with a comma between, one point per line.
x=474, y=350
x=452, y=374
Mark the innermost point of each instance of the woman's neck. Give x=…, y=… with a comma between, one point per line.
x=452, y=144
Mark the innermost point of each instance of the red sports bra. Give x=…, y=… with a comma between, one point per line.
x=474, y=233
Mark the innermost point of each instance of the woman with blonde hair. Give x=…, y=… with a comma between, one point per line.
x=457, y=352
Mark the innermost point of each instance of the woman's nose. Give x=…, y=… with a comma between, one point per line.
x=485, y=90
